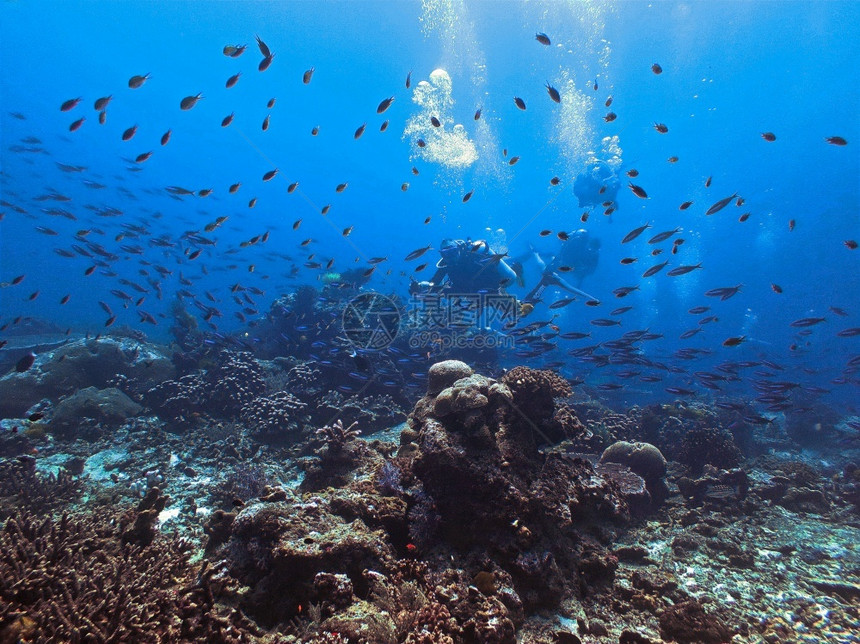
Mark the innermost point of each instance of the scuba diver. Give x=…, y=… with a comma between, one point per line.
x=467, y=267
x=596, y=185
x=579, y=253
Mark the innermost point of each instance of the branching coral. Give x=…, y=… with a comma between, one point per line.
x=73, y=580
x=274, y=415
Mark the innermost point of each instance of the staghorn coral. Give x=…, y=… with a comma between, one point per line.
x=277, y=415
x=336, y=436
x=73, y=580
x=22, y=486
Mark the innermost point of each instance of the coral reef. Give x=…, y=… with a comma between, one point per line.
x=74, y=580
x=529, y=507
x=90, y=412
x=277, y=416
x=22, y=486
x=80, y=364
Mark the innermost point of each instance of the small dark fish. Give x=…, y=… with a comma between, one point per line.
x=271, y=103
x=144, y=156
x=638, y=191
x=165, y=137
x=554, y=181
x=806, y=322
x=663, y=236
x=384, y=105
x=265, y=125
x=605, y=322
x=836, y=140
x=270, y=175
x=849, y=333
x=850, y=244
x=65, y=299
x=562, y=303
x=724, y=293
x=418, y=252
x=678, y=391
x=468, y=196
x=102, y=103
x=733, y=342
x=435, y=122
x=420, y=268
x=744, y=217
x=264, y=49
x=477, y=113
x=520, y=103
x=292, y=187
x=683, y=270
x=628, y=260
x=233, y=80
x=341, y=187
x=656, y=68
x=77, y=124
x=776, y=288
x=633, y=173
x=233, y=51
x=359, y=131
x=227, y=120
x=791, y=224
x=563, y=236
x=25, y=363
x=110, y=320
x=137, y=81
x=610, y=116
x=553, y=93
x=689, y=334
x=543, y=39
x=839, y=311
x=306, y=77
x=708, y=182
x=189, y=101
x=194, y=254
x=324, y=210
x=623, y=291
x=661, y=128
x=722, y=203
x=768, y=136
x=633, y=234
x=655, y=269
x=346, y=231
x=409, y=80
x=70, y=104
x=672, y=159
x=621, y=310
x=384, y=126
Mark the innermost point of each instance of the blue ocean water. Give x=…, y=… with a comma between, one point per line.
x=730, y=72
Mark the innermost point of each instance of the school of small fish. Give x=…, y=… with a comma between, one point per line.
x=107, y=242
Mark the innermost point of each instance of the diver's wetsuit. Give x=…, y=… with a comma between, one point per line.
x=470, y=268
